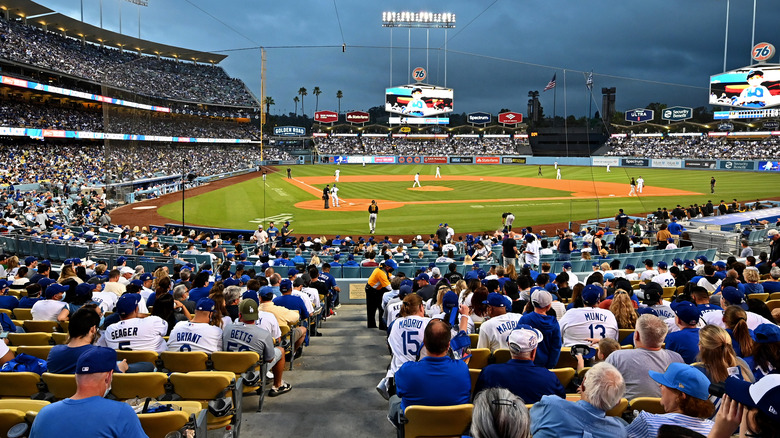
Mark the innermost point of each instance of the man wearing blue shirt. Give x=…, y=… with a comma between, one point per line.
x=523, y=342
x=686, y=341
x=674, y=228
x=273, y=233
x=549, y=349
x=436, y=380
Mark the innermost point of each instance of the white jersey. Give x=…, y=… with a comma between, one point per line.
x=393, y=309
x=267, y=321
x=711, y=287
x=665, y=280
x=313, y=295
x=534, y=248
x=406, y=340
x=145, y=292
x=136, y=334
x=510, y=219
x=586, y=322
x=47, y=310
x=715, y=317
x=640, y=181
x=494, y=333
x=305, y=298
x=632, y=276
x=195, y=336
x=106, y=300
x=573, y=279
x=337, y=174
x=648, y=274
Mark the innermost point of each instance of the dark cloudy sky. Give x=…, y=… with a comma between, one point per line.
x=651, y=50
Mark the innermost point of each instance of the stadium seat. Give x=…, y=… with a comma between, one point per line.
x=39, y=351
x=60, y=338
x=474, y=338
x=350, y=271
x=624, y=333
x=61, y=386
x=774, y=296
x=160, y=424
x=436, y=421
x=669, y=292
x=647, y=404
x=18, y=385
x=130, y=385
x=566, y=360
x=619, y=408
x=502, y=355
x=479, y=358
x=7, y=312
x=205, y=386
x=365, y=271
x=9, y=418
x=241, y=363
x=19, y=339
x=31, y=326
x=184, y=361
x=761, y=296
x=474, y=375
x=137, y=356
x=773, y=304
x=23, y=314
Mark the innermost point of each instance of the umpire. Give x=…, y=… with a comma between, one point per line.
x=378, y=284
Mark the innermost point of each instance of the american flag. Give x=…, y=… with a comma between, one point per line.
x=550, y=84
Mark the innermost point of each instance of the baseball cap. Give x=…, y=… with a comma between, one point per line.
x=719, y=264
x=495, y=299
x=54, y=289
x=688, y=264
x=230, y=282
x=266, y=293
x=591, y=294
x=146, y=277
x=662, y=265
x=138, y=283
x=97, y=360
x=732, y=295
x=687, y=312
x=230, y=255
x=29, y=260
x=609, y=276
x=702, y=258
x=84, y=289
x=4, y=283
x=299, y=281
x=391, y=264
x=652, y=292
x=678, y=261
x=567, y=265
x=292, y=272
x=541, y=298
x=205, y=304
x=766, y=333
x=595, y=264
x=450, y=300
x=250, y=295
x=45, y=281
x=244, y=279
x=248, y=309
x=127, y=270
x=763, y=394
x=684, y=378
x=285, y=285
x=524, y=338
x=422, y=276
x=121, y=260
x=127, y=303
x=631, y=267
x=405, y=290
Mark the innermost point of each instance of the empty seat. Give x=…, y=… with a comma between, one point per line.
x=436, y=421
x=61, y=386
x=184, y=361
x=130, y=385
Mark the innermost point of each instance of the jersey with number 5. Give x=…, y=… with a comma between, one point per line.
x=582, y=323
x=136, y=334
x=195, y=336
x=406, y=339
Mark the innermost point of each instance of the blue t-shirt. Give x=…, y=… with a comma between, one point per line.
x=505, y=375
x=199, y=292
x=66, y=418
x=27, y=302
x=685, y=342
x=62, y=359
x=771, y=286
x=9, y=302
x=292, y=302
x=433, y=381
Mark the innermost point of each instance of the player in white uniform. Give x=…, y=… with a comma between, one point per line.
x=640, y=183
x=558, y=174
x=334, y=195
x=589, y=322
x=494, y=333
x=338, y=171
x=608, y=170
x=556, y=165
x=416, y=180
x=132, y=332
x=407, y=332
x=510, y=219
x=438, y=173
x=198, y=334
x=664, y=278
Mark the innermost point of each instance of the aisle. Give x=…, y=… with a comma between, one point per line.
x=333, y=386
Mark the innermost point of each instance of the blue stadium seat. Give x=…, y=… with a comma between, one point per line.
x=350, y=271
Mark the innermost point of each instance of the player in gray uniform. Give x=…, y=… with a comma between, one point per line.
x=245, y=335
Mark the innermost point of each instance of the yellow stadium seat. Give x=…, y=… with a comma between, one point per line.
x=479, y=358
x=647, y=404
x=204, y=386
x=477, y=325
x=624, y=333
x=32, y=326
x=23, y=314
x=19, y=339
x=566, y=360
x=774, y=296
x=159, y=424
x=773, y=304
x=137, y=356
x=474, y=338
x=39, y=351
x=761, y=296
x=436, y=421
x=7, y=312
x=60, y=338
x=474, y=375
x=618, y=410
x=564, y=375
x=61, y=386
x=18, y=385
x=669, y=292
x=502, y=355
x=9, y=418
x=184, y=361
x=240, y=363
x=130, y=385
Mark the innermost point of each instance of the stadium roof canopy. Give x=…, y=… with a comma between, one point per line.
x=44, y=17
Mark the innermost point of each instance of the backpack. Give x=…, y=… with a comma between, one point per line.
x=24, y=363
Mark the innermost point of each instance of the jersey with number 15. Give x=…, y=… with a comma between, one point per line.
x=406, y=340
x=587, y=322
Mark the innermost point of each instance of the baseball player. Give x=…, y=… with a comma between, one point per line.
x=508, y=221
x=198, y=334
x=438, y=173
x=373, y=210
x=416, y=180
x=589, y=322
x=632, y=192
x=640, y=183
x=608, y=168
x=494, y=333
x=406, y=333
x=338, y=171
x=132, y=332
x=558, y=174
x=556, y=165
x=334, y=193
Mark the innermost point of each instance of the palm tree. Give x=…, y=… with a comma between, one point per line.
x=316, y=92
x=339, y=95
x=268, y=102
x=296, y=100
x=302, y=92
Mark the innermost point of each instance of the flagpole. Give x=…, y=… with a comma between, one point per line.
x=555, y=101
x=565, y=122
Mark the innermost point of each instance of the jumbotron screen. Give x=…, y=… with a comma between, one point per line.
x=756, y=86
x=418, y=100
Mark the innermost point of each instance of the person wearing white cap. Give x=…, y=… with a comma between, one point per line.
x=523, y=342
x=550, y=348
x=126, y=274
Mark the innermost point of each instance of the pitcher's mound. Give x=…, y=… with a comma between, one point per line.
x=431, y=189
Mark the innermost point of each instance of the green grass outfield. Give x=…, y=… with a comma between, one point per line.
x=245, y=204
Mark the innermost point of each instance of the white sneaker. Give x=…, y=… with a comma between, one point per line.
x=381, y=388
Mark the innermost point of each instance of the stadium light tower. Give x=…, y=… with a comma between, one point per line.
x=420, y=20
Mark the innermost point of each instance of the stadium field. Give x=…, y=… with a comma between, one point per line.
x=471, y=198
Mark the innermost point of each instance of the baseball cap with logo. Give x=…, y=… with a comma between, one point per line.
x=121, y=260
x=662, y=265
x=285, y=285
x=205, y=305
x=763, y=394
x=422, y=276
x=652, y=292
x=292, y=272
x=687, y=312
x=97, y=360
x=524, y=338
x=54, y=289
x=591, y=294
x=84, y=289
x=146, y=277
x=684, y=378
x=127, y=303
x=495, y=299
x=630, y=268
x=541, y=298
x=248, y=309
x=30, y=260
x=732, y=295
x=567, y=265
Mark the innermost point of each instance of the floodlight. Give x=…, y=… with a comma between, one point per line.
x=418, y=19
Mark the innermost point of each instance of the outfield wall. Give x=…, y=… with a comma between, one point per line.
x=602, y=161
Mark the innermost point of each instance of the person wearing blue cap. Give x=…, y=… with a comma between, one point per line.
x=133, y=332
x=52, y=308
x=494, y=332
x=684, y=397
x=751, y=407
x=107, y=418
x=197, y=334
x=686, y=340
x=378, y=283
x=290, y=301
x=7, y=301
x=579, y=325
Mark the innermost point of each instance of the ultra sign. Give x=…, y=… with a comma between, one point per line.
x=639, y=115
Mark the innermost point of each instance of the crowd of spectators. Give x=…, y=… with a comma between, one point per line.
x=695, y=147
x=145, y=75
x=401, y=146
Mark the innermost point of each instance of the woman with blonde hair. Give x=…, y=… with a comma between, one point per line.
x=752, y=285
x=718, y=358
x=315, y=260
x=11, y=266
x=735, y=320
x=623, y=308
x=460, y=286
x=511, y=272
x=68, y=273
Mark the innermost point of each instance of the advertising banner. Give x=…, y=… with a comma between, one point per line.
x=326, y=117
x=488, y=160
x=358, y=117
x=435, y=160
x=700, y=164
x=510, y=118
x=636, y=162
x=769, y=166
x=639, y=115
x=513, y=160
x=677, y=113
x=478, y=118
x=671, y=163
x=289, y=131
x=737, y=165
x=461, y=160
x=409, y=160
x=384, y=160
x=605, y=161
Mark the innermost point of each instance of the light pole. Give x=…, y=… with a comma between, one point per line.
x=419, y=20
x=726, y=44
